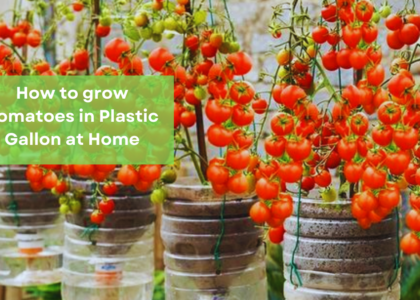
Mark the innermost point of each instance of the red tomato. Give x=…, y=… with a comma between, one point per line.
x=367, y=201
x=323, y=178
x=406, y=138
x=260, y=106
x=359, y=124
x=299, y=149
x=276, y=235
x=410, y=244
x=358, y=59
x=242, y=92
x=343, y=58
x=97, y=217
x=290, y=172
x=110, y=188
x=160, y=58
x=374, y=178
x=389, y=113
x=282, y=209
x=266, y=189
x=102, y=31
x=397, y=162
x=393, y=40
x=107, y=206
x=260, y=213
x=238, y=159
x=329, y=13
x=364, y=10
x=242, y=115
x=369, y=32
x=329, y=60
x=241, y=63
x=275, y=146
x=320, y=34
x=219, y=136
x=382, y=135
x=238, y=183
x=116, y=48
x=282, y=124
x=353, y=171
x=409, y=34
x=127, y=175
x=351, y=35
x=394, y=22
x=389, y=198
x=376, y=75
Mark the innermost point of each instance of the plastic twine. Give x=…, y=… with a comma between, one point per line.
x=13, y=206
x=398, y=256
x=220, y=238
x=293, y=266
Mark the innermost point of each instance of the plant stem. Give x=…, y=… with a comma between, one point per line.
x=97, y=41
x=266, y=113
x=193, y=158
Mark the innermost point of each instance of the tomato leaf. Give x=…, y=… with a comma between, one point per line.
x=344, y=188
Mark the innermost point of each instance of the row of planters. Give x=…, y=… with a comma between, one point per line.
x=341, y=237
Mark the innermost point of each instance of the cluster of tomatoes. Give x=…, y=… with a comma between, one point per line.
x=54, y=178
x=180, y=7
x=359, y=32
x=44, y=177
x=404, y=30
x=21, y=35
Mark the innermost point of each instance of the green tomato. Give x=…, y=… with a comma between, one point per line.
x=158, y=196
x=200, y=17
x=385, y=11
x=141, y=19
x=62, y=200
x=329, y=194
x=250, y=178
x=75, y=206
x=170, y=23
x=200, y=93
x=158, y=27
x=376, y=17
x=64, y=209
x=308, y=41
x=169, y=36
x=70, y=17
x=168, y=176
x=146, y=33
x=224, y=48
x=156, y=38
x=234, y=47
x=282, y=73
x=105, y=20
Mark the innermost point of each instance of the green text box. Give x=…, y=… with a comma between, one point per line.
x=86, y=120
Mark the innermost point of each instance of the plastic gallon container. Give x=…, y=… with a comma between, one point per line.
x=116, y=260
x=336, y=258
x=31, y=232
x=191, y=228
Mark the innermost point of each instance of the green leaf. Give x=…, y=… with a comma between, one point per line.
x=344, y=188
x=131, y=32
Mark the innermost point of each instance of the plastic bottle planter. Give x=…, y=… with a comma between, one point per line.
x=191, y=226
x=336, y=259
x=114, y=262
x=30, y=232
